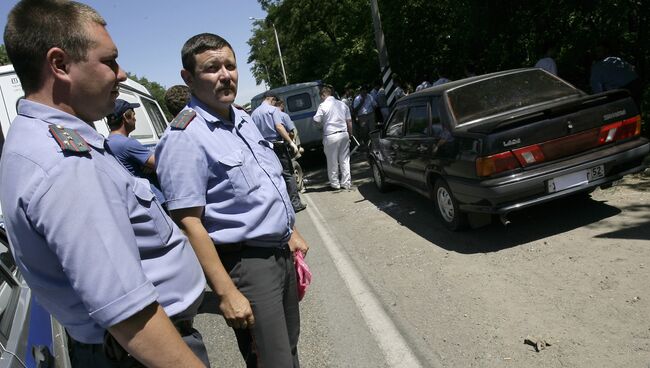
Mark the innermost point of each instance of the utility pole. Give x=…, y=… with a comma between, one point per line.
x=277, y=43
x=386, y=72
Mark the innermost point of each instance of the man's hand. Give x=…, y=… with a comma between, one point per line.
x=236, y=310
x=297, y=242
x=294, y=148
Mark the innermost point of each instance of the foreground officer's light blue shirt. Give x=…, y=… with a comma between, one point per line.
x=89, y=238
x=265, y=116
x=232, y=171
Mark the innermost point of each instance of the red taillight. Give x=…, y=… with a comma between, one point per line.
x=529, y=155
x=490, y=165
x=620, y=130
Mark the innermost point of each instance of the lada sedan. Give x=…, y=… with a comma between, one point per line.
x=501, y=142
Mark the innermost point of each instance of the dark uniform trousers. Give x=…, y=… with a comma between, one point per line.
x=282, y=151
x=93, y=355
x=267, y=278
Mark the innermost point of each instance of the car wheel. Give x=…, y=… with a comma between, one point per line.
x=298, y=174
x=447, y=207
x=378, y=177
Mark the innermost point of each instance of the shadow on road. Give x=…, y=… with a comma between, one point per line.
x=417, y=214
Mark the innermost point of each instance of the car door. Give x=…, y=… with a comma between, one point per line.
x=416, y=147
x=389, y=144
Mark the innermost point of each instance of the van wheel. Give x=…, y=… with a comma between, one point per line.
x=378, y=177
x=447, y=207
x=298, y=174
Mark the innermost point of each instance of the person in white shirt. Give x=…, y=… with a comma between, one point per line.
x=335, y=118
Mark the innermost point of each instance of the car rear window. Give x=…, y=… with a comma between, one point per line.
x=504, y=93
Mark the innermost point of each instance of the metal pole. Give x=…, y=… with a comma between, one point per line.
x=384, y=64
x=277, y=42
x=379, y=35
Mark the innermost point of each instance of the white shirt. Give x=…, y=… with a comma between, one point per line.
x=333, y=114
x=547, y=64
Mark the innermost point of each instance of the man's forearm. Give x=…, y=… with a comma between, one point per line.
x=216, y=275
x=283, y=132
x=152, y=339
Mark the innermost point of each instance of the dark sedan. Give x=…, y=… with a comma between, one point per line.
x=505, y=141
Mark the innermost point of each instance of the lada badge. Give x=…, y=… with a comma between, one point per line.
x=512, y=142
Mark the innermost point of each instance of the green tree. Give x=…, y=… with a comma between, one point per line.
x=334, y=46
x=156, y=90
x=4, y=59
x=334, y=41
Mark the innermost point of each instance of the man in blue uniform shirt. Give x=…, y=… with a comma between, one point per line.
x=224, y=187
x=268, y=119
x=89, y=238
x=135, y=157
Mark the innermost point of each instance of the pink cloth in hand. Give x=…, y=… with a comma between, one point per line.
x=303, y=275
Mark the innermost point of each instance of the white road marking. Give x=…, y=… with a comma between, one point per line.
x=390, y=340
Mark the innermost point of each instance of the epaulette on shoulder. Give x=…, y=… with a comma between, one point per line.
x=183, y=119
x=69, y=139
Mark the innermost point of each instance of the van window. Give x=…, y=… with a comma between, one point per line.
x=157, y=119
x=9, y=290
x=299, y=102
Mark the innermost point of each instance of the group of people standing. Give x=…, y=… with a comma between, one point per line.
x=122, y=274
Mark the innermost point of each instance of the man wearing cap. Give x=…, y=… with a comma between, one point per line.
x=224, y=187
x=90, y=240
x=135, y=157
x=268, y=120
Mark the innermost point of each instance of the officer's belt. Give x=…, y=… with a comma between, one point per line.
x=230, y=247
x=336, y=132
x=238, y=247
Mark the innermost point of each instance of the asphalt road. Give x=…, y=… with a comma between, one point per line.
x=393, y=288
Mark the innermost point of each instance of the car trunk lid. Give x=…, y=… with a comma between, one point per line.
x=546, y=134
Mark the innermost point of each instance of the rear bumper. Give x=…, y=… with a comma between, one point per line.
x=529, y=188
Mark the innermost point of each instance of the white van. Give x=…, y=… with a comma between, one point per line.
x=301, y=103
x=149, y=128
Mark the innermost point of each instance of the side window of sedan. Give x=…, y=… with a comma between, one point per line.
x=418, y=122
x=436, y=123
x=395, y=126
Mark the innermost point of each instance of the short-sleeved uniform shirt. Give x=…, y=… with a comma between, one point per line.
x=368, y=106
x=265, y=116
x=547, y=64
x=333, y=114
x=286, y=121
x=231, y=170
x=133, y=155
x=611, y=73
x=89, y=238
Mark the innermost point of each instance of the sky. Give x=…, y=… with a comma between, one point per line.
x=149, y=34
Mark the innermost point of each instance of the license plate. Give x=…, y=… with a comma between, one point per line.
x=575, y=179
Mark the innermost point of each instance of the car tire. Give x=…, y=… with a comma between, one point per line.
x=298, y=174
x=378, y=177
x=447, y=207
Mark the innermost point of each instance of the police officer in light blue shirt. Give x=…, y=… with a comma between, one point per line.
x=289, y=126
x=224, y=188
x=268, y=119
x=89, y=238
